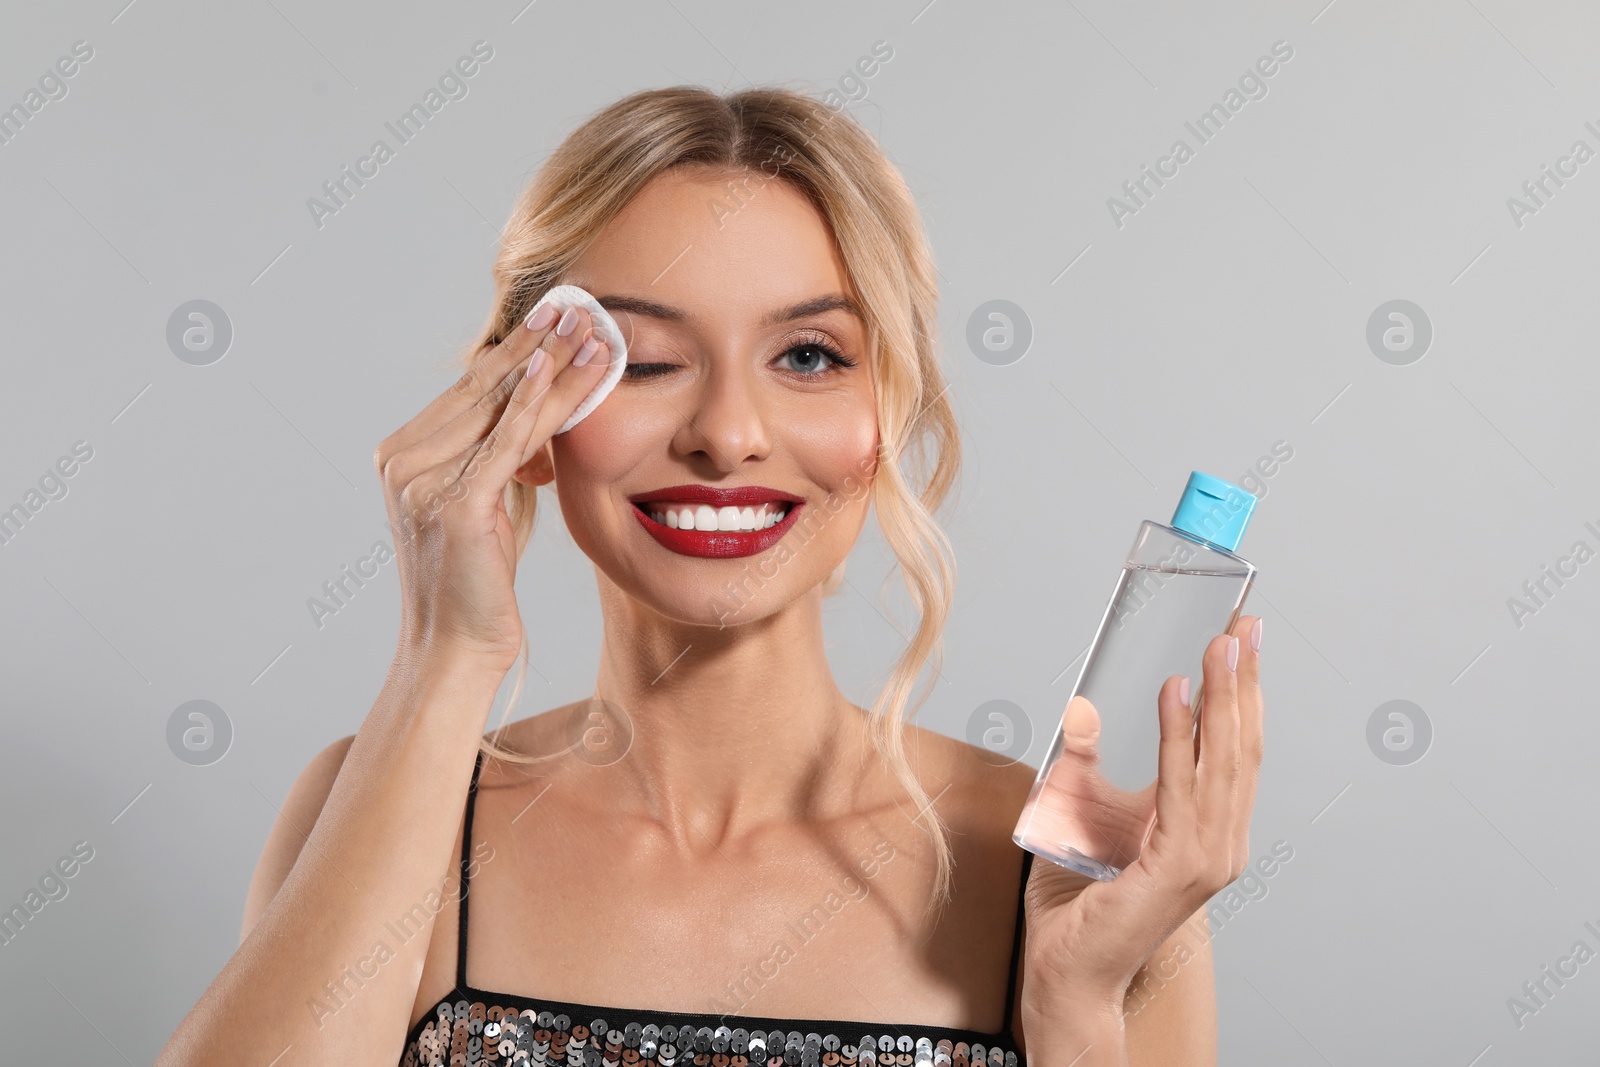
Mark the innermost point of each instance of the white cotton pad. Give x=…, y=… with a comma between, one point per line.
x=605, y=327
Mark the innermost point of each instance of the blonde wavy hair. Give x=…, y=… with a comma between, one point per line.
x=779, y=134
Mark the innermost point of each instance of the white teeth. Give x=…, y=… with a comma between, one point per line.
x=705, y=517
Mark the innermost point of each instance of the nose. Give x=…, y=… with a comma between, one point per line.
x=725, y=418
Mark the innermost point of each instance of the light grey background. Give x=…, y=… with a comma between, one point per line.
x=1228, y=314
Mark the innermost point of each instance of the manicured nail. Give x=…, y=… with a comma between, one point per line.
x=1255, y=637
x=536, y=364
x=541, y=317
x=1183, y=691
x=568, y=321
x=586, y=352
x=1233, y=653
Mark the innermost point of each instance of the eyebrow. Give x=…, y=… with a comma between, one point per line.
x=814, y=306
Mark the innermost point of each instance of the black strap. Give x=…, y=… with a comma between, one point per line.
x=466, y=876
x=1016, y=941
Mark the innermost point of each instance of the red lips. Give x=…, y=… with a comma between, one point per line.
x=717, y=544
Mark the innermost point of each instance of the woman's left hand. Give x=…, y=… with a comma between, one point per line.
x=1086, y=939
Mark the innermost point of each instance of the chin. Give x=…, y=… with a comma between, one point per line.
x=729, y=593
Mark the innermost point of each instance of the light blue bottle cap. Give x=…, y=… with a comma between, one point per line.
x=1214, y=509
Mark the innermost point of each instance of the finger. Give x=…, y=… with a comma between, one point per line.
x=1175, y=774
x=472, y=425
x=486, y=466
x=488, y=368
x=538, y=407
x=1080, y=729
x=1251, y=713
x=1217, y=772
x=571, y=386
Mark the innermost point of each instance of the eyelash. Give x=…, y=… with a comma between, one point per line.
x=839, y=360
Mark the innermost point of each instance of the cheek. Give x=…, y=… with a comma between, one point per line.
x=588, y=460
x=579, y=459
x=610, y=441
x=840, y=447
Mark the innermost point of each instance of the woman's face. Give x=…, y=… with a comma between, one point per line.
x=730, y=386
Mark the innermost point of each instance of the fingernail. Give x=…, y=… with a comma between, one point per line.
x=1183, y=691
x=541, y=317
x=568, y=321
x=1255, y=637
x=1233, y=653
x=586, y=352
x=536, y=364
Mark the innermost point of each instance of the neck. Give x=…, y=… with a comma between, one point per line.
x=732, y=727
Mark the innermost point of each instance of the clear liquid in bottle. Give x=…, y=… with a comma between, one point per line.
x=1092, y=806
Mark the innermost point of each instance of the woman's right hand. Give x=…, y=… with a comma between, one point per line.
x=444, y=477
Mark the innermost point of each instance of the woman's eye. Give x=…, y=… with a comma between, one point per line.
x=636, y=371
x=810, y=359
x=811, y=353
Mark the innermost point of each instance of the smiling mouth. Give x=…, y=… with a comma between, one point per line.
x=710, y=531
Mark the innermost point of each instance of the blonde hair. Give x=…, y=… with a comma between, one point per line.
x=781, y=134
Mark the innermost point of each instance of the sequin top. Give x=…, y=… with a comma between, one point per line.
x=472, y=1027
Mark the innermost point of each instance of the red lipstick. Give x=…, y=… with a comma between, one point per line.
x=717, y=544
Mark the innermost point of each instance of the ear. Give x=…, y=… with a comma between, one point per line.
x=539, y=470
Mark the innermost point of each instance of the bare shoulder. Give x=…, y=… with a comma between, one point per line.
x=987, y=791
x=299, y=813
x=309, y=794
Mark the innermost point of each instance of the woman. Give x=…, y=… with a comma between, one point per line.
x=717, y=838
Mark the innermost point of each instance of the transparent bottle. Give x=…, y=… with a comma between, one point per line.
x=1093, y=803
